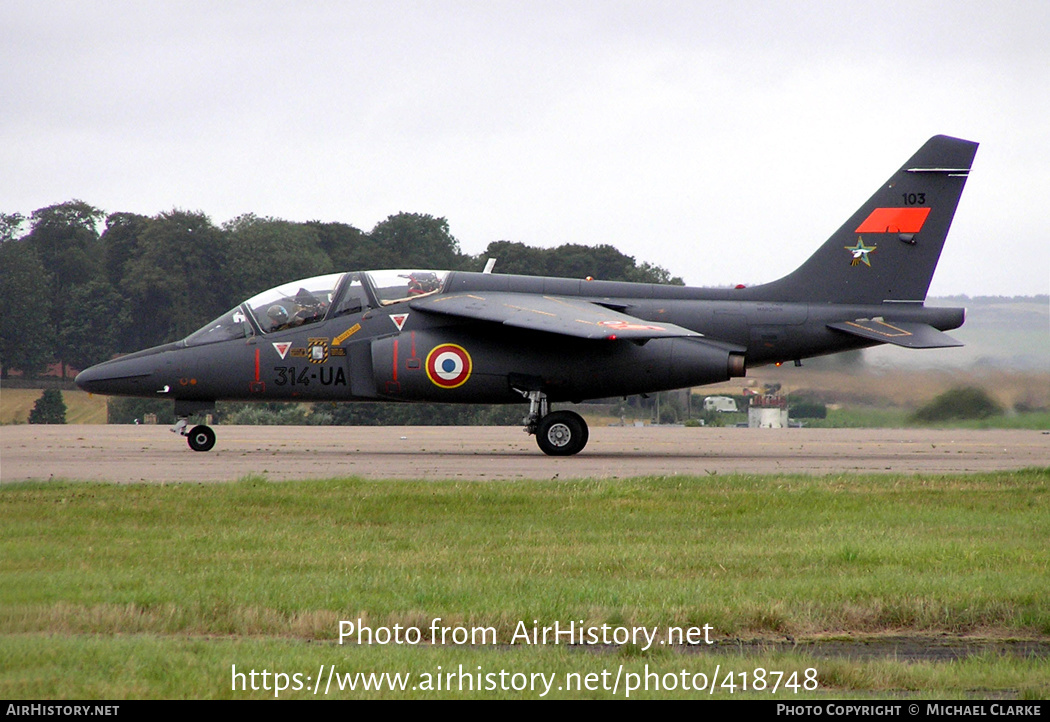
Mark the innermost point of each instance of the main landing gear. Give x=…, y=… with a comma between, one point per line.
x=200, y=437
x=558, y=433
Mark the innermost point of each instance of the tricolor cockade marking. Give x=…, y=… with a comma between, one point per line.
x=448, y=366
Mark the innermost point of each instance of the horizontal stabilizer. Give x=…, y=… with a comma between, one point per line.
x=559, y=315
x=899, y=333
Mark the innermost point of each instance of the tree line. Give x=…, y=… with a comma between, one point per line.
x=78, y=286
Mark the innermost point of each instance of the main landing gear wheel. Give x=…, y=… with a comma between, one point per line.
x=562, y=433
x=558, y=433
x=201, y=438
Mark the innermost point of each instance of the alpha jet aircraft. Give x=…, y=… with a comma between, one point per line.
x=413, y=335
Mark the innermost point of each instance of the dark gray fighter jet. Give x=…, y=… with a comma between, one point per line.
x=414, y=335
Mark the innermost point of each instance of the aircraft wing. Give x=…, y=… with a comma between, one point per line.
x=899, y=333
x=552, y=314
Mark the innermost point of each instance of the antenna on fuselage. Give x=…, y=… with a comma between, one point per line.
x=489, y=264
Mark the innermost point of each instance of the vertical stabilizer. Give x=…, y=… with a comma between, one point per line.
x=889, y=248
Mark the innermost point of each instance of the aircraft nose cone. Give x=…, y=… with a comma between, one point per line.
x=90, y=378
x=115, y=377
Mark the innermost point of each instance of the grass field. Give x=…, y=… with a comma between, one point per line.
x=81, y=407
x=157, y=591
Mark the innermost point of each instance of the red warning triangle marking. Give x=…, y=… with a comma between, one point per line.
x=399, y=320
x=282, y=348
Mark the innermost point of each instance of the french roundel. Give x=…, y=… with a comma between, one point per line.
x=448, y=366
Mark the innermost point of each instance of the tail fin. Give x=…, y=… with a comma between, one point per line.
x=889, y=248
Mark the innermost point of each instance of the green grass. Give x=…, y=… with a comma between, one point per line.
x=260, y=573
x=1031, y=420
x=861, y=417
x=150, y=667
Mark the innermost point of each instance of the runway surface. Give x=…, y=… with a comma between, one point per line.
x=151, y=453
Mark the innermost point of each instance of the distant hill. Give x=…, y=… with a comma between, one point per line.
x=1000, y=332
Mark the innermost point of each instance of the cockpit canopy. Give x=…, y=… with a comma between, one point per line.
x=316, y=299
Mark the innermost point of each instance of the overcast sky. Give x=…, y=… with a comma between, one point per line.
x=722, y=140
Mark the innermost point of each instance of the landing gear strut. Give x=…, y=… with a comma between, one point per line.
x=558, y=433
x=200, y=437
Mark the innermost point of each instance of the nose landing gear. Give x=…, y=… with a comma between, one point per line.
x=200, y=437
x=558, y=433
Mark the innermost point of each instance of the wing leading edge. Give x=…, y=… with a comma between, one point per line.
x=551, y=314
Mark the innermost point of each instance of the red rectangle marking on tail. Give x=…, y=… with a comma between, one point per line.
x=894, y=220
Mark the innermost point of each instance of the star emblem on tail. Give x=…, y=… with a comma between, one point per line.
x=860, y=253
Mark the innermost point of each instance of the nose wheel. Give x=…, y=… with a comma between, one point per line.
x=558, y=433
x=200, y=437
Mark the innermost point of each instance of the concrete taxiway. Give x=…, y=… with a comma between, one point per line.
x=151, y=453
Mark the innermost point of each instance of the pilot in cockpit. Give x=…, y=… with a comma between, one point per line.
x=308, y=309
x=278, y=316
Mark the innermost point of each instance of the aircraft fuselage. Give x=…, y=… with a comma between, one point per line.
x=366, y=356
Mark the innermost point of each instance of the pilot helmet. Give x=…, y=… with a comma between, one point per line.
x=278, y=314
